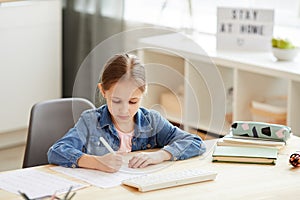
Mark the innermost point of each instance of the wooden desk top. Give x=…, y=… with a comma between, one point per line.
x=234, y=181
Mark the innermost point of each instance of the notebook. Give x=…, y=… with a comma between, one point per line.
x=249, y=142
x=238, y=154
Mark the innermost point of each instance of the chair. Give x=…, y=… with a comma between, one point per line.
x=49, y=121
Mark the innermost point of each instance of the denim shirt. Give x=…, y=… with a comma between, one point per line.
x=151, y=131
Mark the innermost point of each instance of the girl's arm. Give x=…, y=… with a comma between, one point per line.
x=67, y=150
x=176, y=144
x=107, y=163
x=144, y=159
x=180, y=144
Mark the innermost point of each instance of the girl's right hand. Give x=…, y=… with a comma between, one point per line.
x=109, y=162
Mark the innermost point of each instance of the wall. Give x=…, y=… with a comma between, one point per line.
x=30, y=58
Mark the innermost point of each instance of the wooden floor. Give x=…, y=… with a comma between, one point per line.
x=12, y=148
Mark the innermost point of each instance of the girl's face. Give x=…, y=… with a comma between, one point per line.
x=123, y=100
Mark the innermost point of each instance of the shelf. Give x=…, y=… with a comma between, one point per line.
x=210, y=75
x=252, y=86
x=200, y=46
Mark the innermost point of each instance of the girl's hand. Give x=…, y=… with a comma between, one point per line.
x=107, y=163
x=144, y=159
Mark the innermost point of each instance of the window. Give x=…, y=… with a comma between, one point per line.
x=177, y=13
x=198, y=15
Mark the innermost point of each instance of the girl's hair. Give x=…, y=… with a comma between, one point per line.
x=123, y=67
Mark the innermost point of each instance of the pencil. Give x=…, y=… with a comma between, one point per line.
x=107, y=145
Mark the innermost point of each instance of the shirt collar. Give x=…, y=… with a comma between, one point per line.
x=142, y=122
x=104, y=117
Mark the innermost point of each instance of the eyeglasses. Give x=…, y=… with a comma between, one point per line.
x=68, y=196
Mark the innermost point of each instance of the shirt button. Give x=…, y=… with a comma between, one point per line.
x=148, y=146
x=73, y=166
x=134, y=143
x=175, y=158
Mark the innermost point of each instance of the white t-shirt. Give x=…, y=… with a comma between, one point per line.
x=125, y=145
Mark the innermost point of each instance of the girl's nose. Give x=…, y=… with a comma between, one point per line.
x=124, y=108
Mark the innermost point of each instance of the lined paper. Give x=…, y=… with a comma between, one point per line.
x=95, y=177
x=35, y=183
x=107, y=180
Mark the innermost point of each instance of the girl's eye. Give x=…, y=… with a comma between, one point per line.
x=132, y=102
x=116, y=101
x=119, y=101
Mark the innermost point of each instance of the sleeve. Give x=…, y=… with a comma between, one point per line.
x=67, y=150
x=179, y=143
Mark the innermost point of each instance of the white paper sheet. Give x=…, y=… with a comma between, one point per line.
x=106, y=180
x=94, y=177
x=35, y=183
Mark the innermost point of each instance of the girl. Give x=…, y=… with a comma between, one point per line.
x=124, y=125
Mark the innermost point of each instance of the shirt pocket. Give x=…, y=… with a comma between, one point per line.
x=95, y=147
x=150, y=143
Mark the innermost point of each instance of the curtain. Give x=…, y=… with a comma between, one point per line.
x=86, y=24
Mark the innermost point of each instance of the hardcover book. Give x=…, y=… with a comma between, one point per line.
x=238, y=154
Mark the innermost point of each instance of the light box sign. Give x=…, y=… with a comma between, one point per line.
x=244, y=29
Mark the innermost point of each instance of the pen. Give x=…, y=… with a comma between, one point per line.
x=107, y=145
x=24, y=195
x=70, y=189
x=72, y=195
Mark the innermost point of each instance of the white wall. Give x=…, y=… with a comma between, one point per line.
x=30, y=58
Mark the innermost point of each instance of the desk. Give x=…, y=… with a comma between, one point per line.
x=234, y=181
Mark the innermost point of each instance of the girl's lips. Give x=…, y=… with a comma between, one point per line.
x=123, y=117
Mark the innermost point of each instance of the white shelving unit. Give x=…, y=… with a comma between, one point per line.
x=174, y=60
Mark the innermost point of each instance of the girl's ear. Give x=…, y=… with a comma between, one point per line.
x=101, y=89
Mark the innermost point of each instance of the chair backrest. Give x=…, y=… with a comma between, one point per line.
x=49, y=121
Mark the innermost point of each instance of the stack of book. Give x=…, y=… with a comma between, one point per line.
x=247, y=150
